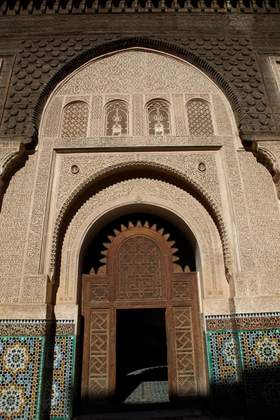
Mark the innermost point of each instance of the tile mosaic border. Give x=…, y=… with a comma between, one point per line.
x=35, y=327
x=236, y=322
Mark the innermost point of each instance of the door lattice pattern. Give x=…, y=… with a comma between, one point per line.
x=186, y=384
x=139, y=270
x=99, y=349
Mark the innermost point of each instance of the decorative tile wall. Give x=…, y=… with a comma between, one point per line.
x=20, y=377
x=244, y=359
x=30, y=359
x=63, y=377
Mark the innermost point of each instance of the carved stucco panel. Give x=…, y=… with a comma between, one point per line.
x=151, y=192
x=8, y=150
x=134, y=141
x=115, y=74
x=179, y=110
x=14, y=215
x=264, y=219
x=188, y=163
x=138, y=115
x=51, y=124
x=96, y=126
x=247, y=279
x=35, y=242
x=222, y=117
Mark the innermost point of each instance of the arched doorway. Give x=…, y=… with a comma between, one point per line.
x=142, y=335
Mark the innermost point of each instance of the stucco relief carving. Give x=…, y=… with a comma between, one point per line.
x=115, y=74
x=263, y=215
x=154, y=193
x=90, y=164
x=15, y=210
x=270, y=162
x=10, y=152
x=209, y=202
x=159, y=77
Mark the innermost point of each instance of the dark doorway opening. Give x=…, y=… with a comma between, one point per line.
x=141, y=357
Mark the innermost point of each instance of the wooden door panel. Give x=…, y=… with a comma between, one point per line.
x=139, y=274
x=184, y=352
x=96, y=372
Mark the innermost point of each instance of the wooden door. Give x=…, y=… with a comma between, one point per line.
x=139, y=271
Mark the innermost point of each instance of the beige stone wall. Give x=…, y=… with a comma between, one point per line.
x=238, y=251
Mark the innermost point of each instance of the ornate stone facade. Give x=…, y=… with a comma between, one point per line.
x=95, y=126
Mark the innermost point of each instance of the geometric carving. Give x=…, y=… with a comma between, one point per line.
x=186, y=381
x=139, y=270
x=98, y=364
x=181, y=287
x=199, y=117
x=75, y=119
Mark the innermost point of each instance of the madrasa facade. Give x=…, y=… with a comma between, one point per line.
x=139, y=208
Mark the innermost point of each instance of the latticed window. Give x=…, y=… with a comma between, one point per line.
x=199, y=117
x=116, y=118
x=158, y=117
x=75, y=119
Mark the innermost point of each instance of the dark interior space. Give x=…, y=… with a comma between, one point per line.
x=141, y=356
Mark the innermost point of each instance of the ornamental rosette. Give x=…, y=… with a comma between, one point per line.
x=267, y=351
x=12, y=401
x=16, y=358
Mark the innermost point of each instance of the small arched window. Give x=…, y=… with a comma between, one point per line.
x=158, y=117
x=199, y=117
x=116, y=118
x=75, y=119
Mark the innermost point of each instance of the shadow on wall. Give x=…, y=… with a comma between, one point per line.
x=256, y=397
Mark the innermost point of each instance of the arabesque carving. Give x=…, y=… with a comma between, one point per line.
x=174, y=176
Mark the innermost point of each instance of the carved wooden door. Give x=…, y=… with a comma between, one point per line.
x=139, y=272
